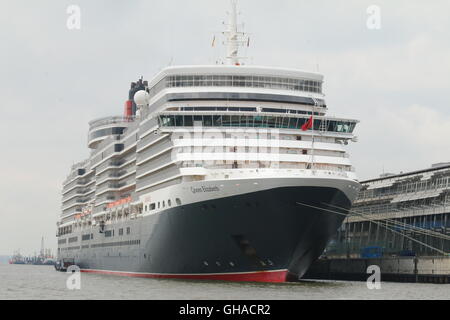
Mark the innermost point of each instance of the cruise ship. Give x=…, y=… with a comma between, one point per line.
x=220, y=172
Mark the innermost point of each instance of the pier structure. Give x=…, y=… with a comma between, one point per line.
x=406, y=214
x=399, y=222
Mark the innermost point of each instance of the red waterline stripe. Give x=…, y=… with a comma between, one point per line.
x=259, y=276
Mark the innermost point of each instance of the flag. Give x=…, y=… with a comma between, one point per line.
x=308, y=124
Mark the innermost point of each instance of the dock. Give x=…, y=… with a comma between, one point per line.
x=393, y=269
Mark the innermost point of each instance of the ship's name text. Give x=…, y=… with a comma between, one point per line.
x=195, y=190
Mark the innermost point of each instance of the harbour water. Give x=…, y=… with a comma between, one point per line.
x=43, y=282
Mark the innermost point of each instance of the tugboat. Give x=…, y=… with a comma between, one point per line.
x=63, y=264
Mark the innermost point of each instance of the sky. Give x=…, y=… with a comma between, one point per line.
x=54, y=80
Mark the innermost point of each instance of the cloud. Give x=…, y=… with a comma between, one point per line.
x=402, y=139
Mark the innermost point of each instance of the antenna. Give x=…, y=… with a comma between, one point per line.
x=234, y=39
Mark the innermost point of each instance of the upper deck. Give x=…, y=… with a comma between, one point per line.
x=295, y=82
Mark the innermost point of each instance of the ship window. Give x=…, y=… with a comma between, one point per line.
x=292, y=123
x=217, y=121
x=152, y=206
x=163, y=204
x=179, y=121
x=298, y=138
x=271, y=122
x=169, y=203
x=235, y=121
x=226, y=121
x=259, y=121
x=121, y=232
x=118, y=147
x=178, y=201
x=188, y=121
x=159, y=205
x=128, y=230
x=207, y=121
x=237, y=81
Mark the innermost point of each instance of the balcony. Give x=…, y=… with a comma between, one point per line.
x=109, y=121
x=102, y=128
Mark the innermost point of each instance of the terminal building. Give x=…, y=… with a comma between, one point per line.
x=402, y=214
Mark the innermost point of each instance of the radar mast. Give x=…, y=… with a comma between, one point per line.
x=234, y=38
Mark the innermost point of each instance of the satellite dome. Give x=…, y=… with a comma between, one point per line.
x=141, y=97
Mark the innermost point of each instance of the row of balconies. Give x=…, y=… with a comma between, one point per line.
x=77, y=183
x=75, y=202
x=77, y=193
x=154, y=150
x=113, y=187
x=114, y=175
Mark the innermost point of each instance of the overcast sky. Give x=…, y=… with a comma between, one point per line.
x=53, y=80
